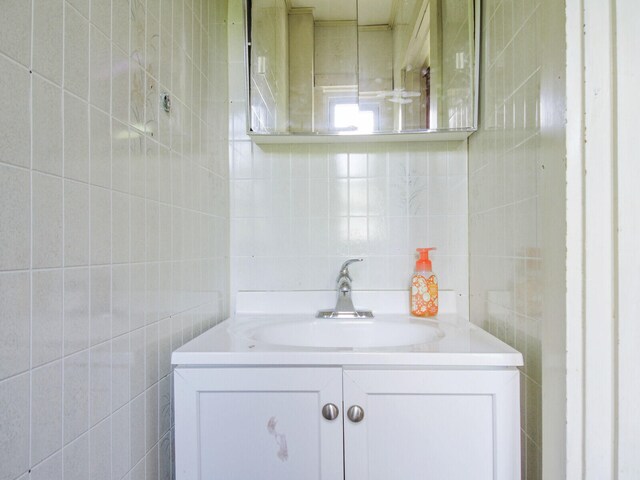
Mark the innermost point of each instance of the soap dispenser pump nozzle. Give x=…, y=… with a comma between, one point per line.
x=424, y=263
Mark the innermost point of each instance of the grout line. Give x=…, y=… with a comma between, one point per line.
x=64, y=233
x=90, y=346
x=111, y=118
x=31, y=223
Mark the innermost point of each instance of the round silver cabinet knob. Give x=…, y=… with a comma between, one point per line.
x=355, y=413
x=330, y=411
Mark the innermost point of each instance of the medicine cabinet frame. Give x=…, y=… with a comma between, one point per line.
x=399, y=136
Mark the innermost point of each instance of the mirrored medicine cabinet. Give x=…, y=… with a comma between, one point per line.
x=361, y=70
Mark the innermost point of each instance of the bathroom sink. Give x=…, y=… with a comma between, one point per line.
x=334, y=333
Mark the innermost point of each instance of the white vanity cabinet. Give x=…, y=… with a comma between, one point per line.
x=433, y=424
x=257, y=424
x=250, y=423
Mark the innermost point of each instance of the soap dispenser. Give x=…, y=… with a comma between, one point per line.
x=424, y=287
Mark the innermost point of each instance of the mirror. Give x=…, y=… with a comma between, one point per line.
x=345, y=67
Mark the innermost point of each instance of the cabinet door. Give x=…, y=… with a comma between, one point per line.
x=257, y=424
x=432, y=425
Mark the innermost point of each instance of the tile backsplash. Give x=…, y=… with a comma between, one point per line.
x=113, y=229
x=299, y=211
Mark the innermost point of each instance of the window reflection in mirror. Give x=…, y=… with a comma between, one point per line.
x=361, y=66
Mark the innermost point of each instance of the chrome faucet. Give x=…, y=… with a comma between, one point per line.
x=344, y=305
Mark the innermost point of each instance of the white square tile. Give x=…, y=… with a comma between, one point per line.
x=438, y=195
x=121, y=443
x=398, y=196
x=76, y=53
x=339, y=198
x=138, y=296
x=151, y=102
x=152, y=40
x=138, y=472
x=164, y=289
x=100, y=383
x=47, y=39
x=151, y=354
x=15, y=296
x=137, y=422
x=137, y=94
x=358, y=197
x=47, y=221
x=76, y=459
x=166, y=13
x=164, y=175
x=120, y=23
x=100, y=304
x=100, y=148
x=397, y=162
x=121, y=299
x=151, y=461
x=165, y=457
x=50, y=469
x=100, y=451
x=46, y=411
x=357, y=165
x=15, y=218
x=138, y=230
x=358, y=236
x=151, y=310
x=177, y=339
x=138, y=15
x=76, y=223
x=280, y=197
x=15, y=30
x=377, y=196
x=152, y=216
x=14, y=418
x=419, y=159
x=120, y=85
x=120, y=372
x=47, y=126
x=338, y=163
x=100, y=226
x=377, y=161
x=151, y=414
x=136, y=362
x=339, y=236
x=76, y=309
x=120, y=228
x=164, y=398
x=100, y=70
x=82, y=6
x=76, y=396
x=76, y=134
x=15, y=120
x=120, y=168
x=46, y=317
x=101, y=15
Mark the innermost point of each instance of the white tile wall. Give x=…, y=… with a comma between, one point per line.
x=298, y=211
x=114, y=226
x=505, y=163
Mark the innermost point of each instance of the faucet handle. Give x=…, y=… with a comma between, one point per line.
x=344, y=270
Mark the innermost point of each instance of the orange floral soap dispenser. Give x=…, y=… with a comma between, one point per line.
x=424, y=287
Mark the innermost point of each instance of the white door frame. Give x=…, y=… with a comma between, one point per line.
x=603, y=228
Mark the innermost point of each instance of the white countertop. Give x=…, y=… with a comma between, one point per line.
x=461, y=345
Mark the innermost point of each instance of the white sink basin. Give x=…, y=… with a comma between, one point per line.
x=334, y=333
